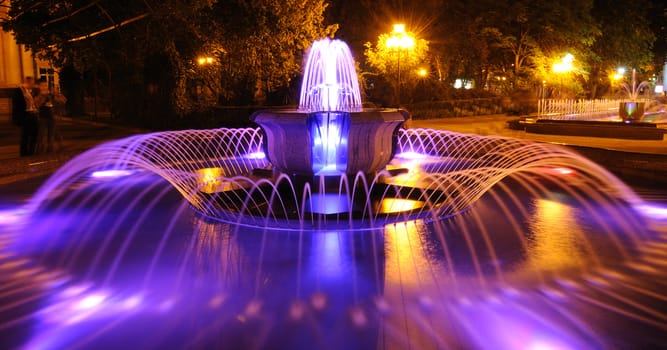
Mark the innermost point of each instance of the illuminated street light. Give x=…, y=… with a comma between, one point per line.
x=422, y=72
x=400, y=40
x=620, y=72
x=204, y=60
x=564, y=66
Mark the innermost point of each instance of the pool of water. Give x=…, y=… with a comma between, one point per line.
x=126, y=262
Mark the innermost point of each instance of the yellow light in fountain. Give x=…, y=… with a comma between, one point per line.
x=557, y=241
x=398, y=205
x=209, y=180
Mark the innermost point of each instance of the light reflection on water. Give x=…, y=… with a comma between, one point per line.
x=555, y=237
x=217, y=272
x=406, y=264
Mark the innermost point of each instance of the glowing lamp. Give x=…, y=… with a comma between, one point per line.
x=110, y=173
x=400, y=39
x=204, y=60
x=565, y=64
x=562, y=67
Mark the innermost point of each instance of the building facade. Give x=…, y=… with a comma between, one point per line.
x=16, y=63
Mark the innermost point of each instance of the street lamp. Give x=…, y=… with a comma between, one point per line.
x=620, y=72
x=204, y=60
x=400, y=40
x=563, y=67
x=422, y=72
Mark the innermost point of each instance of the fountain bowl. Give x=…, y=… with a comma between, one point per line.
x=305, y=143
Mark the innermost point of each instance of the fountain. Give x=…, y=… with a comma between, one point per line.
x=330, y=227
x=330, y=133
x=633, y=111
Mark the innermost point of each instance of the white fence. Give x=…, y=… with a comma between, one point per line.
x=563, y=109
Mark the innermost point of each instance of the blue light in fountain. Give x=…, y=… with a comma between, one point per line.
x=329, y=91
x=329, y=132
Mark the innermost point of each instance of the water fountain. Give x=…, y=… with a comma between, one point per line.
x=632, y=110
x=328, y=227
x=330, y=133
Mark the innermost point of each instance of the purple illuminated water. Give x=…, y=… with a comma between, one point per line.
x=188, y=239
x=330, y=81
x=545, y=245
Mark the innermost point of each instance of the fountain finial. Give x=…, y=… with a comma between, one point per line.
x=330, y=81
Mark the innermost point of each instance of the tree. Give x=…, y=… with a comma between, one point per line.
x=625, y=40
x=504, y=41
x=388, y=60
x=528, y=31
x=137, y=49
x=265, y=42
x=147, y=51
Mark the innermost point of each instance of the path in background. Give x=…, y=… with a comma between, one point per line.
x=80, y=135
x=77, y=136
x=497, y=125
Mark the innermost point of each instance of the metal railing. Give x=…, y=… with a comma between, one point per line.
x=568, y=109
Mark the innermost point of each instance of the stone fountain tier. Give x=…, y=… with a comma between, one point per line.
x=368, y=140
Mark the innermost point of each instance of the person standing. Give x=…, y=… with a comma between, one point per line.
x=24, y=114
x=45, y=103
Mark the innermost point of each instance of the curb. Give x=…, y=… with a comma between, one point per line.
x=103, y=124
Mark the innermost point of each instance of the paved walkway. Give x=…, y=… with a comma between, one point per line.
x=80, y=135
x=497, y=125
x=77, y=136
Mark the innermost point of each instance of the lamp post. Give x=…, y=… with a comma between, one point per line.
x=563, y=67
x=400, y=40
x=202, y=62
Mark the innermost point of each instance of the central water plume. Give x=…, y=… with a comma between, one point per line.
x=330, y=81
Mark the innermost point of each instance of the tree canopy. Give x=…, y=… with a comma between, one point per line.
x=147, y=51
x=505, y=45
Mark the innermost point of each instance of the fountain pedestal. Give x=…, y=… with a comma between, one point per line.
x=323, y=143
x=631, y=111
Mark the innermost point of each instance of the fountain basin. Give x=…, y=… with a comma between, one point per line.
x=330, y=143
x=631, y=111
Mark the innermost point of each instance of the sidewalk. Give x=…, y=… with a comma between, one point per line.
x=77, y=136
x=497, y=125
x=80, y=135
